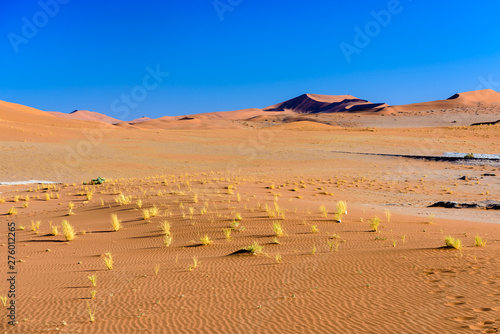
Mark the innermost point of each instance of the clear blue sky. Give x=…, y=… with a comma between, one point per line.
x=91, y=52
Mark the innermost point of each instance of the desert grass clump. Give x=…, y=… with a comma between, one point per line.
x=26, y=204
x=451, y=242
x=93, y=279
x=238, y=217
x=139, y=203
x=167, y=240
x=255, y=248
x=16, y=198
x=388, y=215
x=374, y=223
x=108, y=261
x=91, y=312
x=68, y=230
x=93, y=293
x=4, y=300
x=123, y=200
x=35, y=225
x=12, y=211
x=227, y=234
x=157, y=269
x=194, y=265
x=205, y=240
x=116, y=223
x=323, y=210
x=165, y=227
x=278, y=258
x=89, y=194
x=479, y=242
x=278, y=229
x=314, y=229
x=71, y=205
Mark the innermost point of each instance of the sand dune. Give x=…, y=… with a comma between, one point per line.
x=486, y=97
x=85, y=115
x=314, y=103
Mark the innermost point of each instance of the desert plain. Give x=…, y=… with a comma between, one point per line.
x=296, y=218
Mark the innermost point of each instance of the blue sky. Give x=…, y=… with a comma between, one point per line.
x=234, y=54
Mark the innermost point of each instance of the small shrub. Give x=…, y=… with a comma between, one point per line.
x=12, y=211
x=374, y=223
x=278, y=229
x=194, y=265
x=108, y=261
x=451, y=242
x=68, y=230
x=116, y=223
x=479, y=241
x=255, y=248
x=205, y=240
x=93, y=279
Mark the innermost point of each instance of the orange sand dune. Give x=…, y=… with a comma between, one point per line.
x=486, y=97
x=85, y=115
x=314, y=103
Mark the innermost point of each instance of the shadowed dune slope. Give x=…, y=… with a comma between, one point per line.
x=314, y=103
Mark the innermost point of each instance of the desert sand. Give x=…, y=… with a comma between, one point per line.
x=193, y=193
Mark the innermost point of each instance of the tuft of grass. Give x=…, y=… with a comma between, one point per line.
x=314, y=229
x=167, y=240
x=92, y=294
x=47, y=197
x=313, y=252
x=35, y=225
x=68, y=230
x=4, y=300
x=90, y=312
x=157, y=269
x=205, y=240
x=12, y=211
x=139, y=203
x=276, y=241
x=93, y=279
x=145, y=214
x=451, y=242
x=194, y=265
x=278, y=258
x=323, y=210
x=21, y=228
x=89, y=194
x=116, y=223
x=26, y=204
x=71, y=205
x=255, y=248
x=165, y=227
x=227, y=233
x=108, y=261
x=54, y=231
x=479, y=241
x=374, y=223
x=238, y=217
x=278, y=229
x=388, y=215
x=431, y=218
x=123, y=200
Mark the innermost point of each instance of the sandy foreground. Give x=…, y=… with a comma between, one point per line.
x=238, y=186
